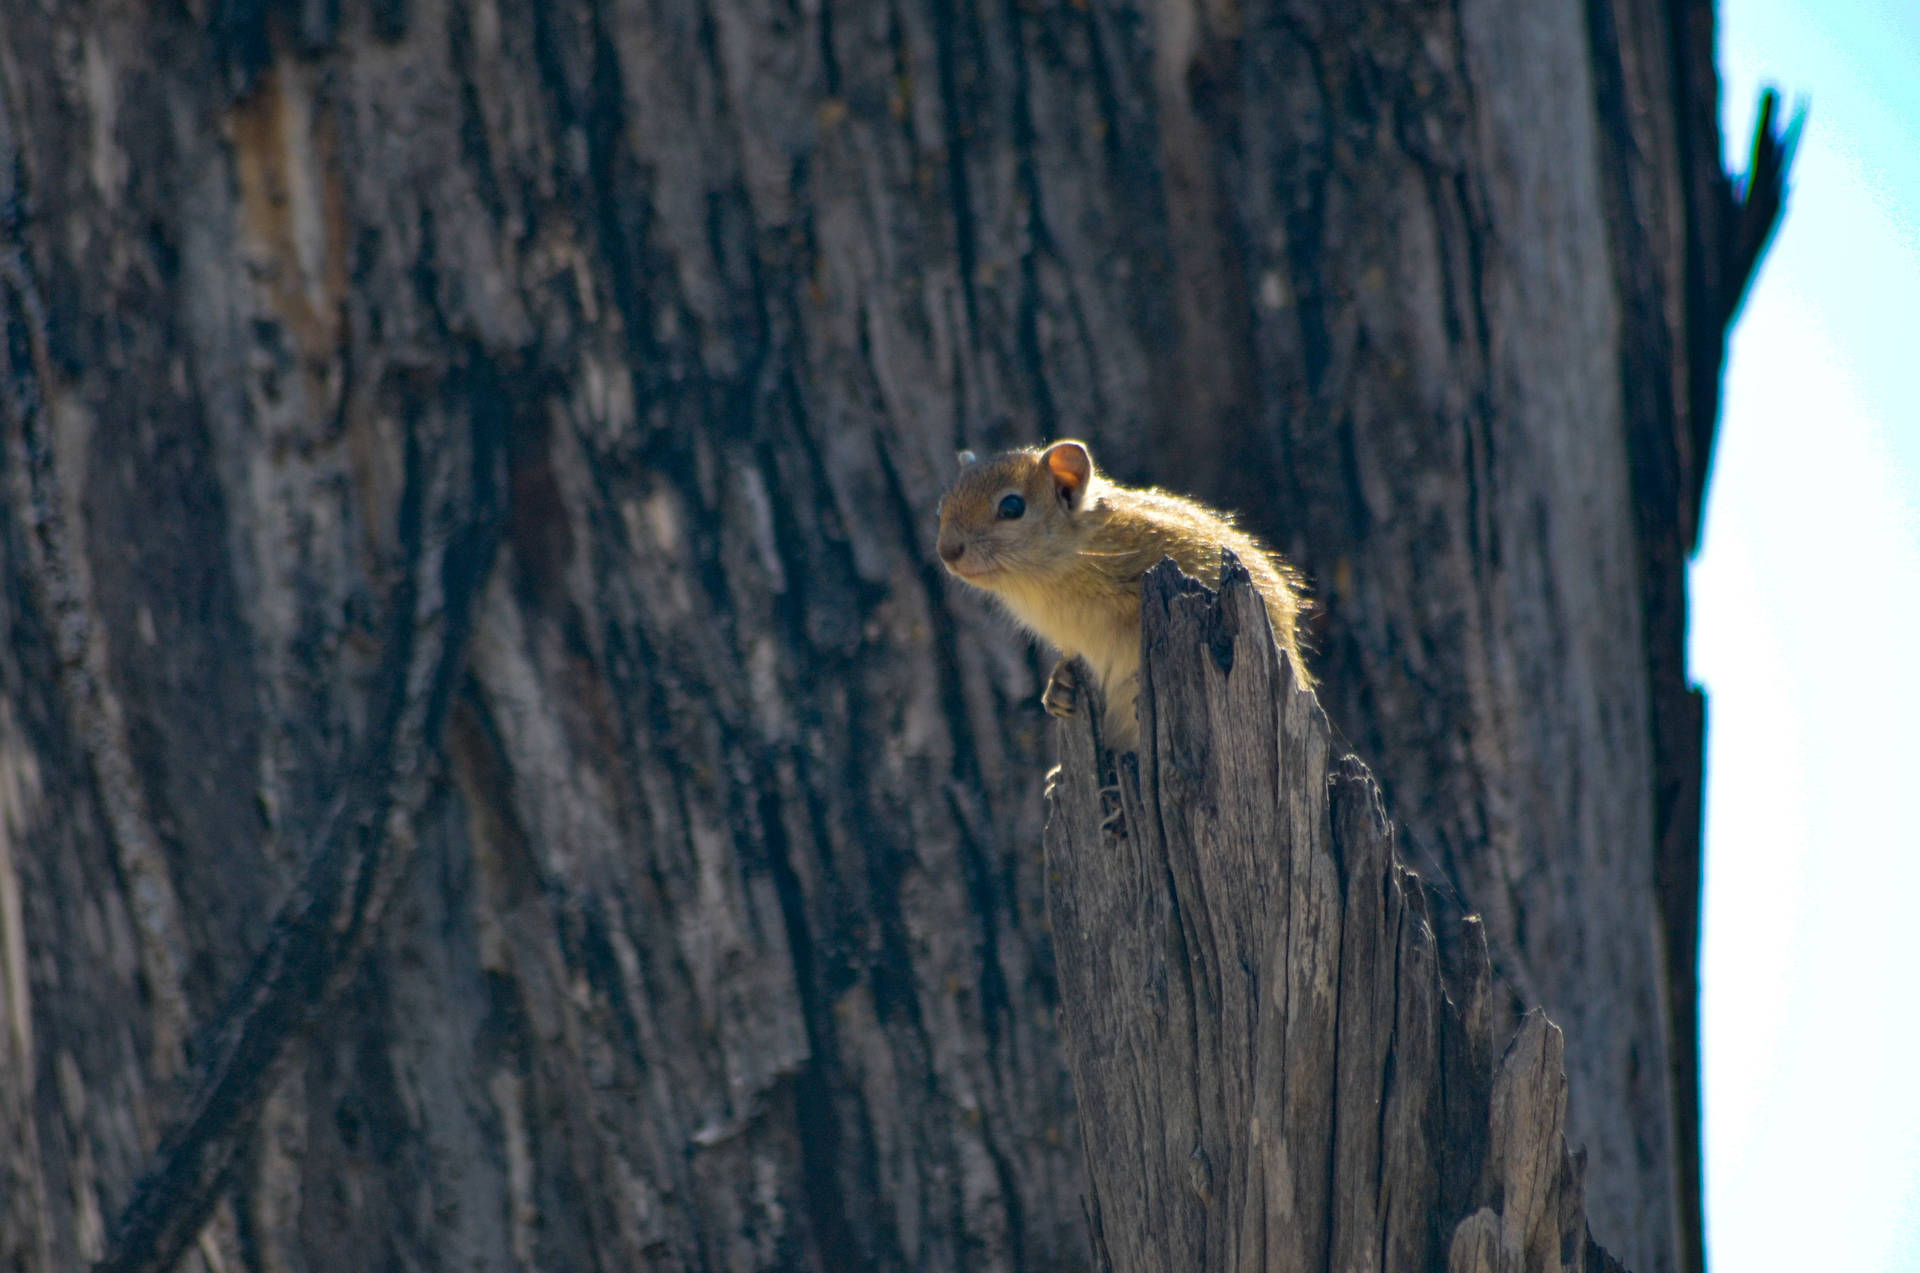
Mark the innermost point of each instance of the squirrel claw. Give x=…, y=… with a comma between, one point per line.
x=1062, y=695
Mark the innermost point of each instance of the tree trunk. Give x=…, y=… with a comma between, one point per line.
x=490, y=773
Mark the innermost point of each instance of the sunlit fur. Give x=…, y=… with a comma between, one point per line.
x=1069, y=569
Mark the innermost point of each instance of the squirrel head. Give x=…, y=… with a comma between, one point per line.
x=1012, y=515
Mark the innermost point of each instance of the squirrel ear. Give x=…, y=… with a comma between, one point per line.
x=965, y=457
x=1071, y=466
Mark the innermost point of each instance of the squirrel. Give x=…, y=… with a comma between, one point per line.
x=1064, y=550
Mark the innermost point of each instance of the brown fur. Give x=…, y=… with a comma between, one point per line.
x=1069, y=568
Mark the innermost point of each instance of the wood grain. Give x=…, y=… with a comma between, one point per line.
x=1272, y=1070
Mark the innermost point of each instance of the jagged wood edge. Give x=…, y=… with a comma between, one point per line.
x=1324, y=1098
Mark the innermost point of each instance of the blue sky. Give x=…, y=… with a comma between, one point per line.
x=1806, y=635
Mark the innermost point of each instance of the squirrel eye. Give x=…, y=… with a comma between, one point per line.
x=1011, y=507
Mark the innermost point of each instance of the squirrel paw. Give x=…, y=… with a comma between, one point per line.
x=1062, y=695
x=1114, y=824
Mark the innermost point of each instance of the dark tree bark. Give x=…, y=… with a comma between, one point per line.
x=490, y=775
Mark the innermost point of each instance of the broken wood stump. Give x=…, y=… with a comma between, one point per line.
x=1272, y=1069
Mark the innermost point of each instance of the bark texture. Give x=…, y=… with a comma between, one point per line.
x=490, y=773
x=1272, y=1070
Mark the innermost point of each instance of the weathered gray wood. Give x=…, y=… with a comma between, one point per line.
x=359, y=852
x=1272, y=1073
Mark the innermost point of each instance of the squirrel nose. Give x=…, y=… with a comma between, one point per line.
x=950, y=550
